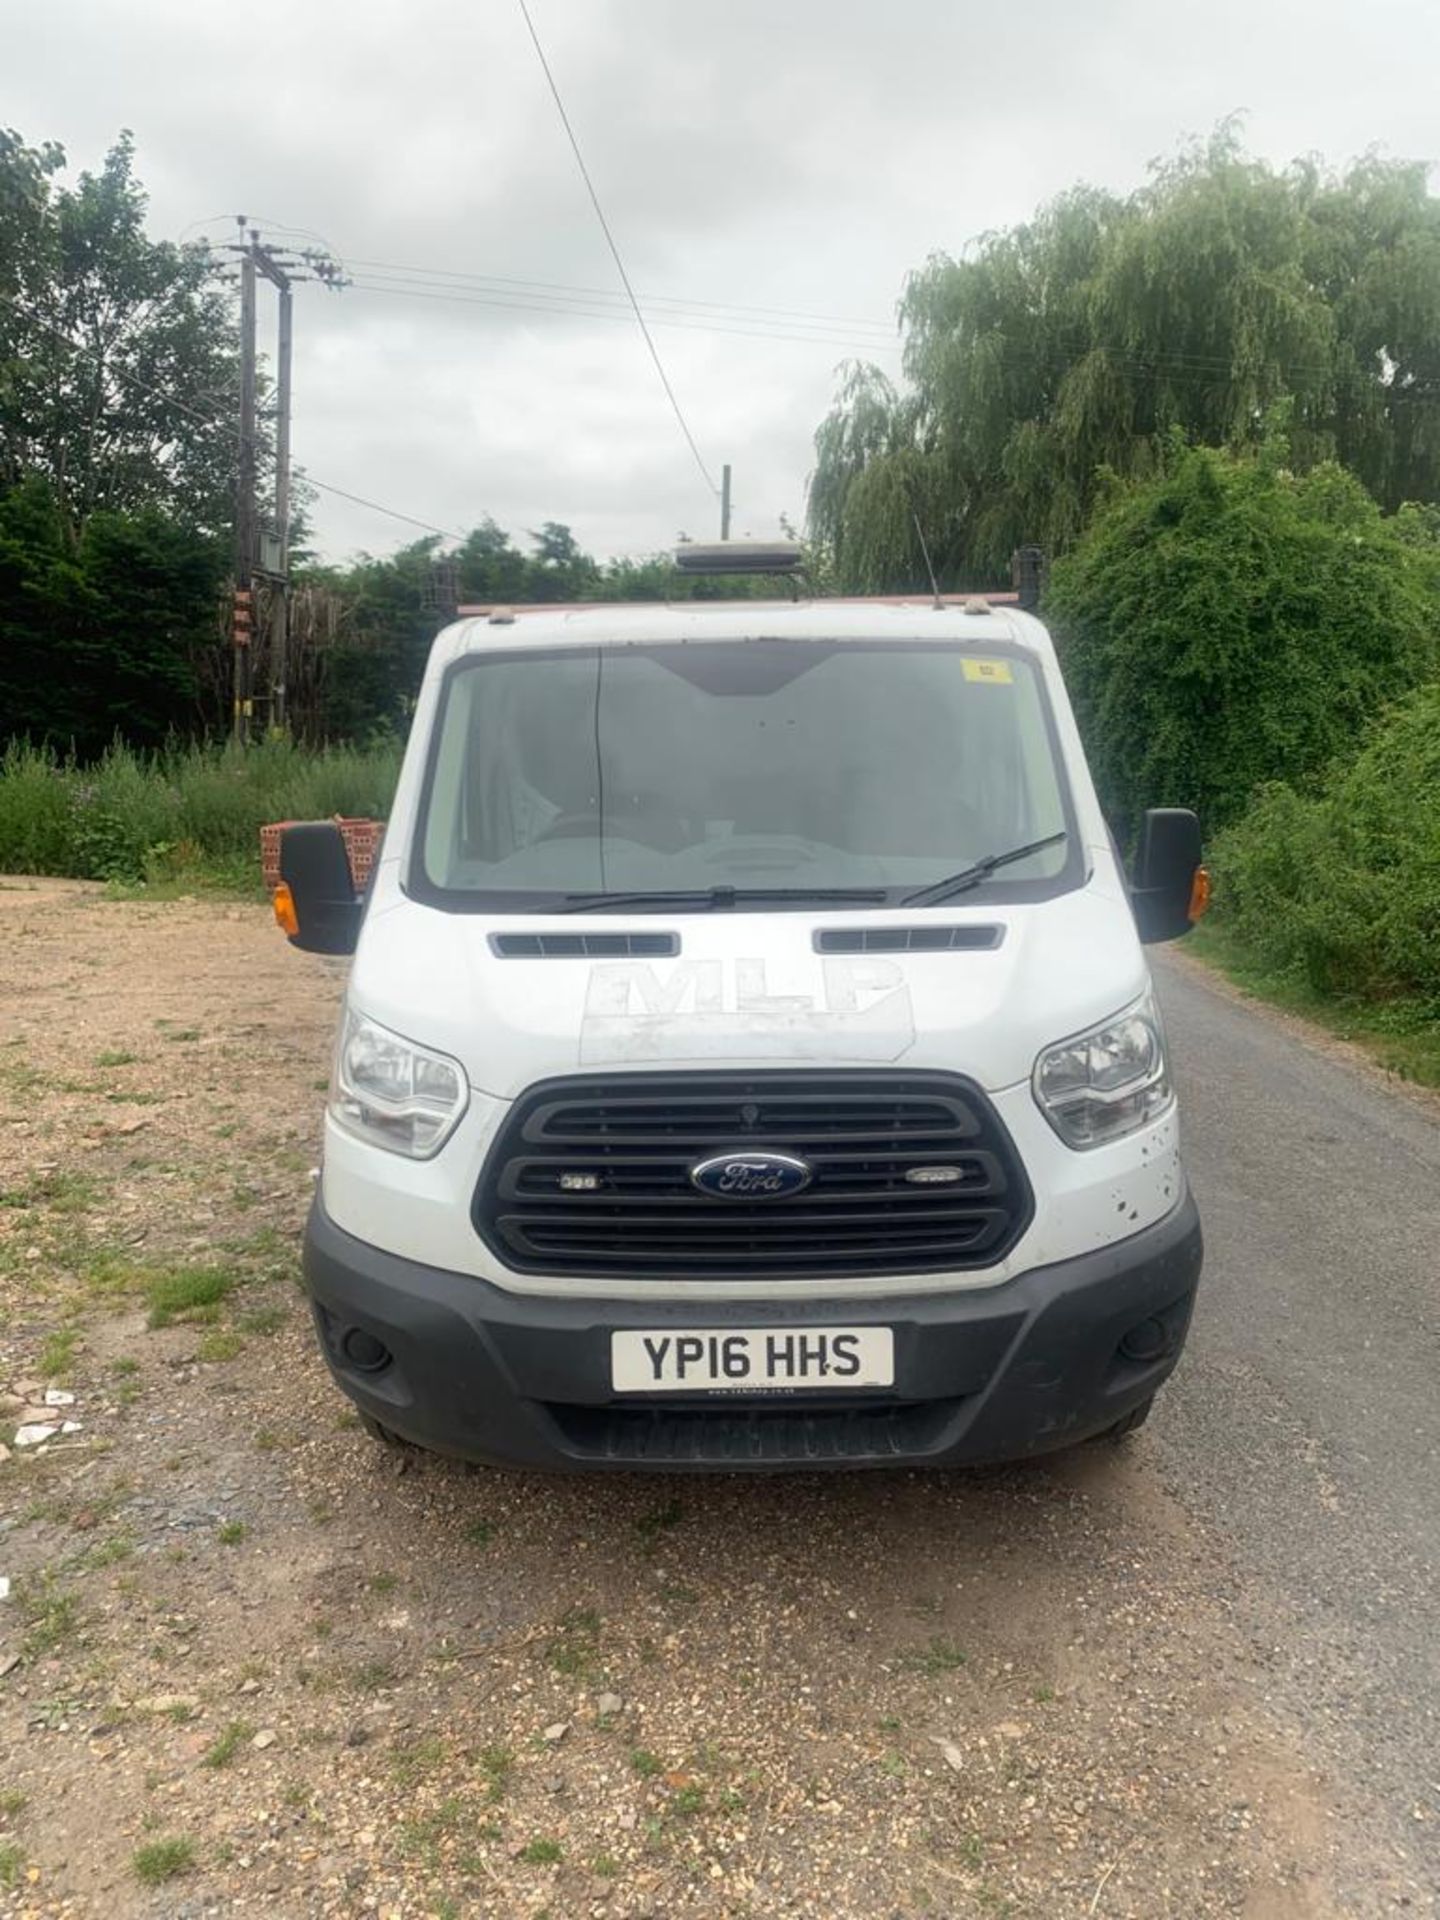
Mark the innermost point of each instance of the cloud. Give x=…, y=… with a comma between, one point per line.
x=802, y=157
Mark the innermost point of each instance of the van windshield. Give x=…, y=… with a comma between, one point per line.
x=768, y=764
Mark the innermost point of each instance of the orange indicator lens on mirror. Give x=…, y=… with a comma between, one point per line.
x=286, y=918
x=1199, y=894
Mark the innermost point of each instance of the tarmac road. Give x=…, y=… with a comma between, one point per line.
x=1304, y=1424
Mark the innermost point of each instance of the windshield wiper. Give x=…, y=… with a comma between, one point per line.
x=712, y=899
x=971, y=876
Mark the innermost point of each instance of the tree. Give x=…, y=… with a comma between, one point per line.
x=373, y=680
x=105, y=635
x=117, y=362
x=1230, y=622
x=489, y=567
x=25, y=175
x=1079, y=342
x=560, y=569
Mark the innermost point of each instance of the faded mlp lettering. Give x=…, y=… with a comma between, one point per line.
x=857, y=1009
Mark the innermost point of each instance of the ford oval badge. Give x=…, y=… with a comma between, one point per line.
x=751, y=1176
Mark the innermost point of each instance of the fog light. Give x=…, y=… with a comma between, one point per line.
x=1147, y=1341
x=364, y=1352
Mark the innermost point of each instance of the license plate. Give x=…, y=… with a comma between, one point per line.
x=737, y=1358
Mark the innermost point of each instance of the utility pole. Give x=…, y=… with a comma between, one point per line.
x=280, y=606
x=276, y=560
x=725, y=501
x=272, y=560
x=243, y=625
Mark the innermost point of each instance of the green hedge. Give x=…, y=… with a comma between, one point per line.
x=1341, y=889
x=187, y=812
x=1231, y=623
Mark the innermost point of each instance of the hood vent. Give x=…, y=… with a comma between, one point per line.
x=966, y=939
x=582, y=946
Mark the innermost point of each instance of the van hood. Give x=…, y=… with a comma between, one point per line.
x=749, y=989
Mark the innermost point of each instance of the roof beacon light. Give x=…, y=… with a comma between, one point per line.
x=739, y=556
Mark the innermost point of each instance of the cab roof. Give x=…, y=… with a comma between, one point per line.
x=974, y=621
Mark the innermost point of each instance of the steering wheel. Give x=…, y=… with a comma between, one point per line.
x=645, y=819
x=569, y=826
x=782, y=851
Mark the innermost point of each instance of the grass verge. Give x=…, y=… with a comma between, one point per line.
x=1401, y=1035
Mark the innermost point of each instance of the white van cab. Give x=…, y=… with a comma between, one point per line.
x=749, y=1058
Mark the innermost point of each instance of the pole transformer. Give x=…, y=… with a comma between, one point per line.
x=266, y=558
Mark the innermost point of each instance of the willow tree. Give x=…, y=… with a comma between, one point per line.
x=1078, y=344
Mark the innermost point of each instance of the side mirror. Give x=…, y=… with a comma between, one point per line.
x=1171, y=888
x=317, y=904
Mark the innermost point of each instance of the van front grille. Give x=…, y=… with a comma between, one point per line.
x=909, y=1173
x=756, y=1436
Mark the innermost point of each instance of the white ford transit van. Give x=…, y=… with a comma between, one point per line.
x=749, y=1058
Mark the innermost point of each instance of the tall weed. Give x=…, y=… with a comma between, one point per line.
x=184, y=812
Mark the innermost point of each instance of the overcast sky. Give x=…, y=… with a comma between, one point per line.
x=791, y=156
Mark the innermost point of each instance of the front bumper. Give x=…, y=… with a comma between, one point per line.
x=514, y=1380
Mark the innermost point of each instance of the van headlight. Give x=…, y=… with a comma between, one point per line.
x=393, y=1093
x=1107, y=1082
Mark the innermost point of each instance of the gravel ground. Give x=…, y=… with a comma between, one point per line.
x=247, y=1666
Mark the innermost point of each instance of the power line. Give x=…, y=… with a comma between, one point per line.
x=567, y=289
x=575, y=310
x=559, y=296
x=1139, y=357
x=1194, y=370
x=278, y=226
x=594, y=306
x=429, y=526
x=556, y=298
x=615, y=251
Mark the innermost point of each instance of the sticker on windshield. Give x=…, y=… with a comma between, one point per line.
x=994, y=673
